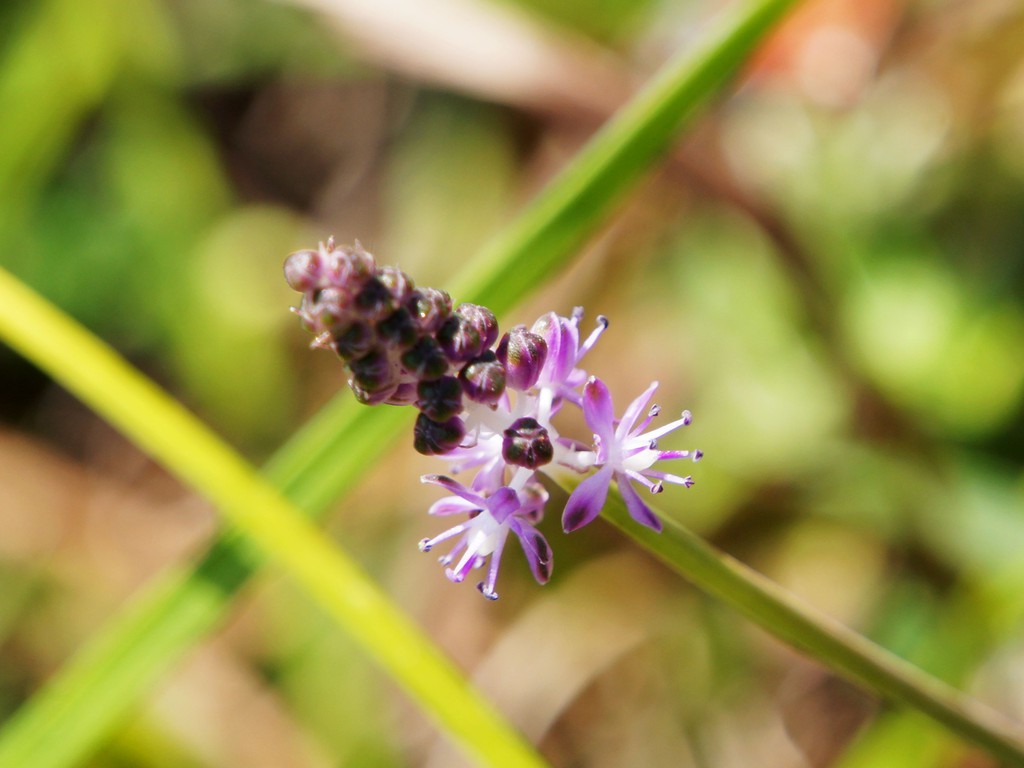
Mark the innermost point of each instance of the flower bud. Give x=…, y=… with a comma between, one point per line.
x=377, y=397
x=425, y=360
x=325, y=311
x=430, y=308
x=398, y=283
x=374, y=301
x=354, y=340
x=433, y=437
x=483, y=379
x=523, y=354
x=355, y=264
x=398, y=329
x=373, y=371
x=405, y=394
x=303, y=271
x=468, y=333
x=345, y=268
x=440, y=399
x=527, y=444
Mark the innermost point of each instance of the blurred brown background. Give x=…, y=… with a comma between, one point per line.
x=828, y=272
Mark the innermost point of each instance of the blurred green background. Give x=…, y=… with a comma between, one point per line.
x=829, y=272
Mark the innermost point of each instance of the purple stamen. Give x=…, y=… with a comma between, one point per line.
x=586, y=346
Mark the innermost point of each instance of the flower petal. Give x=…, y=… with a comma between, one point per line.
x=599, y=410
x=638, y=510
x=454, y=487
x=536, y=548
x=586, y=501
x=562, y=338
x=503, y=503
x=451, y=505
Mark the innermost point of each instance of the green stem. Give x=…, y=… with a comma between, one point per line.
x=820, y=637
x=175, y=438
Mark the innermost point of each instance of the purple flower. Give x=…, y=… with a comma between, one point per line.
x=625, y=453
x=488, y=403
x=484, y=533
x=559, y=373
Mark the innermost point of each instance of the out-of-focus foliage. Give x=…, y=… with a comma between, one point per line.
x=830, y=275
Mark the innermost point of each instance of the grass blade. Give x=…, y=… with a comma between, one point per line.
x=165, y=430
x=101, y=685
x=561, y=218
x=834, y=645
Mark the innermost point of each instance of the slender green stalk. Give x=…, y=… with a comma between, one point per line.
x=165, y=430
x=101, y=684
x=568, y=211
x=820, y=637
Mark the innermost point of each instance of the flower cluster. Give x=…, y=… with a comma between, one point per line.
x=486, y=404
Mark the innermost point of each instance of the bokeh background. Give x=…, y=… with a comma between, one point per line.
x=828, y=271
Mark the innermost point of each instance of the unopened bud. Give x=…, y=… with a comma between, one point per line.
x=374, y=301
x=398, y=283
x=354, y=340
x=425, y=360
x=357, y=263
x=440, y=399
x=523, y=354
x=366, y=397
x=433, y=437
x=303, y=271
x=468, y=333
x=405, y=394
x=483, y=379
x=398, y=328
x=373, y=372
x=430, y=308
x=527, y=444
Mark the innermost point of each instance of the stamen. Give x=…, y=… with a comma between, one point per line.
x=487, y=591
x=670, y=478
x=666, y=429
x=641, y=478
x=669, y=455
x=465, y=565
x=486, y=586
x=602, y=326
